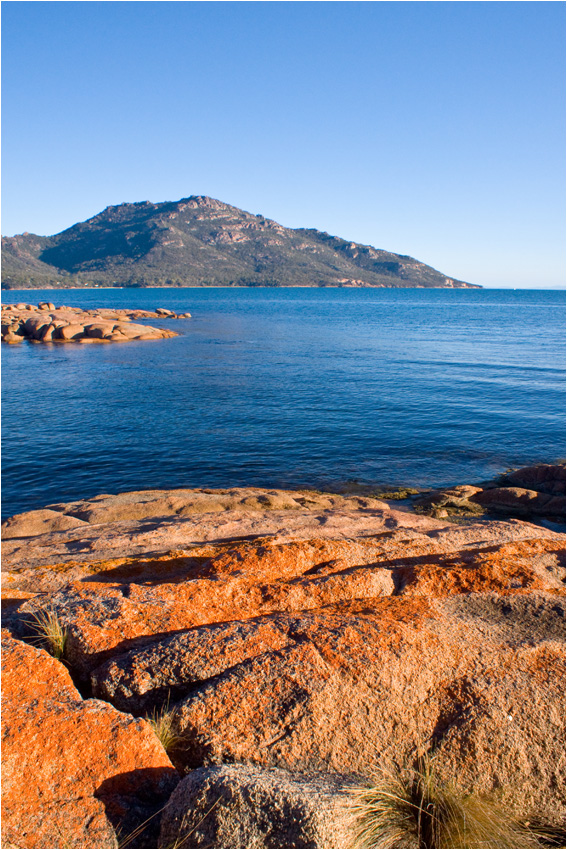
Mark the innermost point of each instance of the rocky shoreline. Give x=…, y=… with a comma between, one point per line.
x=535, y=493
x=47, y=323
x=292, y=643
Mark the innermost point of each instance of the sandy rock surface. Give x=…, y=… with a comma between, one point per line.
x=309, y=632
x=48, y=323
x=170, y=504
x=158, y=521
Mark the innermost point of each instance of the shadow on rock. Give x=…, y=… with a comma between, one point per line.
x=133, y=802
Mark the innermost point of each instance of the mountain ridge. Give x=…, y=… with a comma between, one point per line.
x=201, y=241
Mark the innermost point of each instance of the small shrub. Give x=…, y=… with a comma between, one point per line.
x=412, y=809
x=51, y=633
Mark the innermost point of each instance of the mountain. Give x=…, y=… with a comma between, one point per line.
x=199, y=241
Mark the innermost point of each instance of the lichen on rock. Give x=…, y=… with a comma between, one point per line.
x=286, y=634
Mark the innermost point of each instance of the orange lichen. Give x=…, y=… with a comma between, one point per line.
x=545, y=663
x=509, y=568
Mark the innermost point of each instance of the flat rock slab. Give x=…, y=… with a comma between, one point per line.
x=146, y=504
x=161, y=534
x=75, y=772
x=34, y=523
x=159, y=521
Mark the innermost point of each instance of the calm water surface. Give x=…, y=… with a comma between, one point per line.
x=287, y=387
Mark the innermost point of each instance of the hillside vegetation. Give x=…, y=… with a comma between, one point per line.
x=199, y=241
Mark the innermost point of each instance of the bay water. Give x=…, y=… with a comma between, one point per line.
x=287, y=388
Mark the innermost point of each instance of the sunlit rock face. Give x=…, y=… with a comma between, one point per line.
x=50, y=324
x=75, y=772
x=291, y=631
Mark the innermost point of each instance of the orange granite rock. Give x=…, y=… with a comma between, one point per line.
x=341, y=636
x=512, y=567
x=75, y=772
x=49, y=324
x=107, y=611
x=340, y=689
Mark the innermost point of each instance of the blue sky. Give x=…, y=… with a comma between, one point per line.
x=434, y=129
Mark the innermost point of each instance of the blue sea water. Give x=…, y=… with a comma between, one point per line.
x=286, y=388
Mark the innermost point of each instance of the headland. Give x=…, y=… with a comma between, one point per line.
x=200, y=241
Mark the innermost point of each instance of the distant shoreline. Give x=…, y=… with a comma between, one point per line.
x=238, y=286
x=302, y=286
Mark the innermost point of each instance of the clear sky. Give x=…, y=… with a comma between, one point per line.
x=435, y=129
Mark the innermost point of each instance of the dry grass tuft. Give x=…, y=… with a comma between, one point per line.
x=412, y=809
x=51, y=633
x=164, y=725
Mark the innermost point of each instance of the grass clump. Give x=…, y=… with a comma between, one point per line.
x=51, y=634
x=412, y=808
x=164, y=724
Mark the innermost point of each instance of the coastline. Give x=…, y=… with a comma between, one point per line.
x=272, y=648
x=415, y=497
x=293, y=643
x=242, y=286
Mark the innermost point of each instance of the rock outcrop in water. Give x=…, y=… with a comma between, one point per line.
x=533, y=492
x=48, y=323
x=295, y=640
